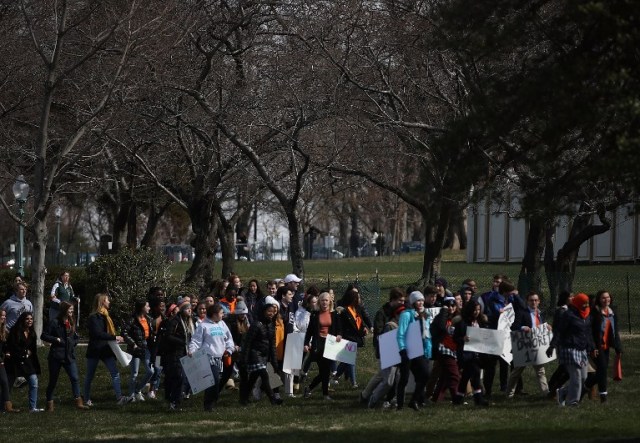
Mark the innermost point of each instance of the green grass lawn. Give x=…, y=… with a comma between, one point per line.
x=526, y=419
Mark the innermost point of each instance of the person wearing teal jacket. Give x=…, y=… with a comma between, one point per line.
x=419, y=366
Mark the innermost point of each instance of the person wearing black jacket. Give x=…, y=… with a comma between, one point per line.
x=23, y=355
x=101, y=332
x=175, y=343
x=355, y=326
x=259, y=349
x=323, y=322
x=470, y=364
x=576, y=342
x=606, y=335
x=525, y=320
x=63, y=337
x=139, y=336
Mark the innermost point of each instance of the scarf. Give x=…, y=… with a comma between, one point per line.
x=420, y=316
x=578, y=301
x=111, y=329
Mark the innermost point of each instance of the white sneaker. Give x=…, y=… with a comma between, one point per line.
x=140, y=396
x=327, y=398
x=386, y=405
x=123, y=400
x=152, y=394
x=36, y=410
x=89, y=403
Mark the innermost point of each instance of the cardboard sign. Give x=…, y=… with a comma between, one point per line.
x=197, y=369
x=344, y=351
x=486, y=341
x=293, y=352
x=530, y=348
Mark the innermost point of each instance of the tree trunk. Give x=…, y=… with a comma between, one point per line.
x=38, y=274
x=204, y=225
x=530, y=278
x=132, y=227
x=295, y=242
x=153, y=218
x=120, y=225
x=433, y=249
x=227, y=238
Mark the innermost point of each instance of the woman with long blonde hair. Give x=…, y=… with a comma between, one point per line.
x=101, y=332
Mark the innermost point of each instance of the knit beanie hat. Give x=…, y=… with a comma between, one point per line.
x=415, y=296
x=241, y=306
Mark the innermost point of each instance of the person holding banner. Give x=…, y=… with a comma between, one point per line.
x=471, y=317
x=606, y=335
x=63, y=337
x=101, y=332
x=214, y=336
x=323, y=322
x=258, y=350
x=419, y=366
x=525, y=321
x=576, y=342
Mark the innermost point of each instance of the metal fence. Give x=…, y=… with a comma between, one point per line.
x=624, y=288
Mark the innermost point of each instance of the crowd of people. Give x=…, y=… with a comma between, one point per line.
x=244, y=331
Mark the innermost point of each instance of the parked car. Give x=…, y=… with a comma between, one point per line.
x=411, y=246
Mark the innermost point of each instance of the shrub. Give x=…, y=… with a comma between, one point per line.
x=127, y=276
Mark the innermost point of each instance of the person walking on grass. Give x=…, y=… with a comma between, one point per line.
x=576, y=342
x=102, y=331
x=175, y=344
x=139, y=333
x=62, y=335
x=258, y=350
x=325, y=321
x=4, y=378
x=213, y=335
x=606, y=336
x=23, y=354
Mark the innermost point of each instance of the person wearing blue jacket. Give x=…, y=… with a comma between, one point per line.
x=419, y=366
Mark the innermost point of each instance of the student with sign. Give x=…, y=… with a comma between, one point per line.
x=418, y=366
x=214, y=336
x=526, y=320
x=322, y=323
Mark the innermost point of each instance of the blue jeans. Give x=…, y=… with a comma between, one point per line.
x=92, y=365
x=135, y=368
x=33, y=390
x=348, y=370
x=54, y=372
x=211, y=393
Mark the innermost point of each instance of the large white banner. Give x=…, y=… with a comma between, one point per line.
x=293, y=352
x=506, y=318
x=530, y=348
x=432, y=312
x=343, y=351
x=486, y=341
x=197, y=369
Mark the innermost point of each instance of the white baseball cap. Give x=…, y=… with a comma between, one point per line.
x=292, y=278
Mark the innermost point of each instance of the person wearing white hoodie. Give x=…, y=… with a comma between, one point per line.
x=214, y=336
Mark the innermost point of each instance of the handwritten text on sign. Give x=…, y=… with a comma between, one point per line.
x=530, y=348
x=344, y=351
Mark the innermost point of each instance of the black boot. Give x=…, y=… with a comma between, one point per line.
x=479, y=400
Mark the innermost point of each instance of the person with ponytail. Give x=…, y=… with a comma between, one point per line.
x=101, y=332
x=576, y=342
x=64, y=338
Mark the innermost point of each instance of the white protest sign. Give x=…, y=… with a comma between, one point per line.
x=530, y=348
x=506, y=318
x=293, y=352
x=413, y=340
x=486, y=341
x=123, y=358
x=197, y=369
x=432, y=312
x=389, y=350
x=274, y=379
x=343, y=351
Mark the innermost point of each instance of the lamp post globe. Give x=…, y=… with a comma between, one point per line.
x=20, y=191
